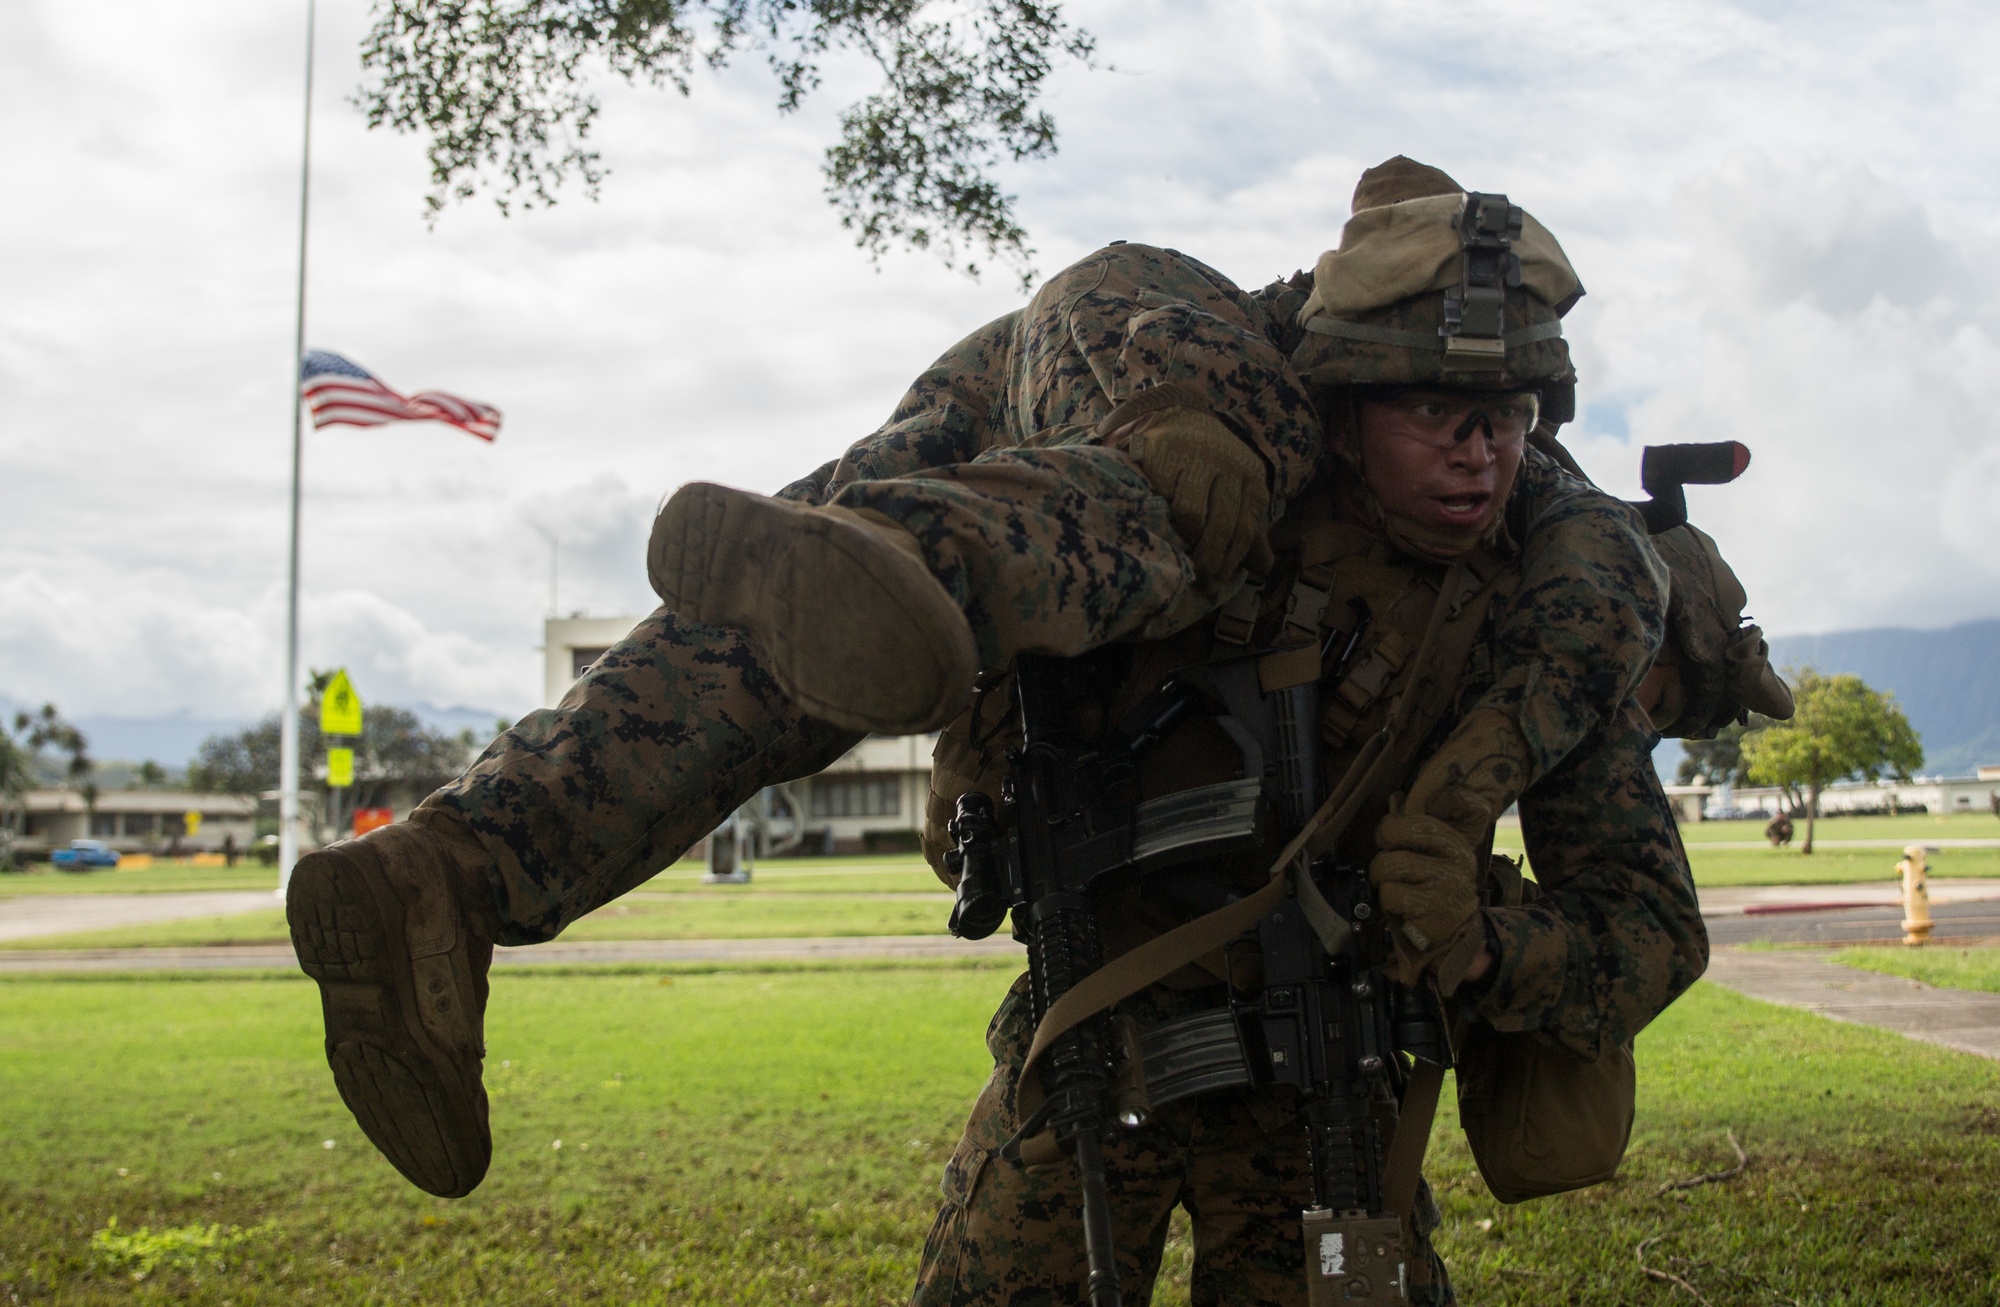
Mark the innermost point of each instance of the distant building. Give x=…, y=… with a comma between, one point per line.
x=1934, y=794
x=1689, y=802
x=871, y=799
x=137, y=821
x=571, y=644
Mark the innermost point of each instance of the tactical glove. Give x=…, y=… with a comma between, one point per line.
x=1427, y=877
x=1214, y=484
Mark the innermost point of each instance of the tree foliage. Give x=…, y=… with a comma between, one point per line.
x=1720, y=759
x=500, y=87
x=1716, y=760
x=396, y=748
x=23, y=766
x=1842, y=729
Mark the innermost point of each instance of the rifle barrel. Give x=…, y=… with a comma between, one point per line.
x=1097, y=1245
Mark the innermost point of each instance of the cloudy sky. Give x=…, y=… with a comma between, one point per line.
x=1781, y=211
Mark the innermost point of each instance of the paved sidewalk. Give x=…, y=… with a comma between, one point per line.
x=60, y=914
x=839, y=948
x=1955, y=1018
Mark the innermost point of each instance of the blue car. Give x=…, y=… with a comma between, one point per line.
x=81, y=855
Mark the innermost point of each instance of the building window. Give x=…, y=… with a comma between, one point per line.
x=104, y=825
x=857, y=796
x=581, y=660
x=138, y=823
x=173, y=823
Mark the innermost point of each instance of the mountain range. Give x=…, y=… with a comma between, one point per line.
x=1947, y=682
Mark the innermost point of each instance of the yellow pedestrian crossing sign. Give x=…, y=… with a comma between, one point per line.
x=339, y=707
x=339, y=768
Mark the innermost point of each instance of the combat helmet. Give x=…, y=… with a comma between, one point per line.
x=1436, y=286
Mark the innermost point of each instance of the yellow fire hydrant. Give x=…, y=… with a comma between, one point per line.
x=1916, y=897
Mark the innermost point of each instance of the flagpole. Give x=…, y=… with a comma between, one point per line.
x=288, y=725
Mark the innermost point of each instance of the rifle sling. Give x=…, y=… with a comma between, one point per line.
x=1160, y=957
x=1403, y=1165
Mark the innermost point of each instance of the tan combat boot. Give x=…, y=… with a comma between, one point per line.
x=396, y=929
x=858, y=631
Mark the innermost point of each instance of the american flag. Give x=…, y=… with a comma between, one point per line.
x=342, y=393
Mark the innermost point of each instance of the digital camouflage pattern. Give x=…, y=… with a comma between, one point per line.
x=1050, y=540
x=1046, y=531
x=673, y=729
x=1009, y=1236
x=1053, y=540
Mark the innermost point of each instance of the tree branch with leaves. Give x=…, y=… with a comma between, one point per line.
x=501, y=89
x=396, y=751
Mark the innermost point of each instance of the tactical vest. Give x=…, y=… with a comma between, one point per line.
x=1340, y=604
x=1392, y=642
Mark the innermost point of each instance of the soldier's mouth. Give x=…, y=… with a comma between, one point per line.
x=1462, y=508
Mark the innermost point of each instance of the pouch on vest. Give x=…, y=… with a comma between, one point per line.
x=1540, y=1119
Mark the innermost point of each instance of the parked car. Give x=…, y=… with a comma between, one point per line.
x=82, y=855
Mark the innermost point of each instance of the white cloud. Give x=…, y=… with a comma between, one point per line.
x=121, y=648
x=1779, y=213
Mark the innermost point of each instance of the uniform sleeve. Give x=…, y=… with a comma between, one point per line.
x=949, y=415
x=1615, y=933
x=1587, y=619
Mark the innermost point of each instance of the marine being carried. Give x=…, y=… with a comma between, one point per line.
x=1246, y=615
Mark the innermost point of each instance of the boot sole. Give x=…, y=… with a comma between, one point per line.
x=804, y=585
x=409, y=1096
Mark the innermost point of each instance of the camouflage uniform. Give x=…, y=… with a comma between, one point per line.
x=679, y=724
x=1052, y=540
x=1614, y=936
x=1049, y=536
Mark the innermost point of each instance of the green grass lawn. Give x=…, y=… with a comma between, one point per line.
x=855, y=875
x=769, y=913
x=759, y=1137
x=794, y=898
x=265, y=926
x=776, y=915
x=755, y=911
x=161, y=878
x=1912, y=827
x=905, y=873
x=1935, y=964
x=1717, y=867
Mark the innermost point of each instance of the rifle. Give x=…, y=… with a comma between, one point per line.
x=1329, y=1023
